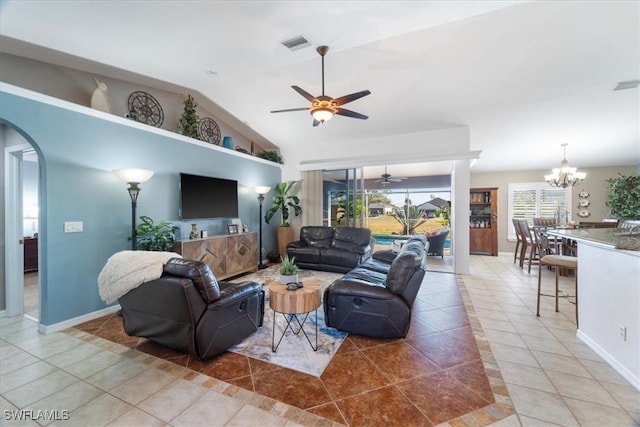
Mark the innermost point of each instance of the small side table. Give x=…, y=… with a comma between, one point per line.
x=291, y=304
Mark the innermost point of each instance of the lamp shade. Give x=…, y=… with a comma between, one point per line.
x=133, y=175
x=322, y=114
x=263, y=189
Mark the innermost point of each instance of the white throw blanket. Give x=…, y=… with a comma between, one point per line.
x=127, y=270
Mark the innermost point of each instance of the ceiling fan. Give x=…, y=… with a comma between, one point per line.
x=386, y=178
x=324, y=107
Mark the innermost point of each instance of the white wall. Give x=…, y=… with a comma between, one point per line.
x=77, y=86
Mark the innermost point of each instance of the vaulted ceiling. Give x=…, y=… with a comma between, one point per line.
x=523, y=76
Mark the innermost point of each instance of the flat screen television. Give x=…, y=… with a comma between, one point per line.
x=205, y=197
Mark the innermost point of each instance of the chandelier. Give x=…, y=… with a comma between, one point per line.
x=564, y=176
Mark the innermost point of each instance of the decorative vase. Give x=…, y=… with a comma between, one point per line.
x=285, y=236
x=287, y=279
x=101, y=99
x=227, y=142
x=194, y=231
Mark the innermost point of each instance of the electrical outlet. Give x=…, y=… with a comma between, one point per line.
x=622, y=332
x=73, y=227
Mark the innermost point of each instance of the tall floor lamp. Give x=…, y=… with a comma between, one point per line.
x=262, y=190
x=133, y=177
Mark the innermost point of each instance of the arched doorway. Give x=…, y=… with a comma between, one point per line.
x=22, y=224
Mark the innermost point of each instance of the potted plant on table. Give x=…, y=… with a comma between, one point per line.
x=288, y=270
x=284, y=201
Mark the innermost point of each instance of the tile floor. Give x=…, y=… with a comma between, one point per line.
x=31, y=295
x=535, y=367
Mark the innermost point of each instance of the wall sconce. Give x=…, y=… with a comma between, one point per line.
x=133, y=177
x=261, y=190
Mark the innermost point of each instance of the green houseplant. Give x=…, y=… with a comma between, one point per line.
x=189, y=118
x=624, y=197
x=288, y=270
x=271, y=155
x=284, y=201
x=155, y=236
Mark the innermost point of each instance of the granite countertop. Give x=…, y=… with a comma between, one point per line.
x=625, y=239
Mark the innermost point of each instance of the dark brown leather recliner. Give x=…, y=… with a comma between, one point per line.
x=188, y=310
x=375, y=298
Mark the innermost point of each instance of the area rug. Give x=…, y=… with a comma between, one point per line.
x=294, y=351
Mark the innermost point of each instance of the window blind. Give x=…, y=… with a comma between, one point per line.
x=535, y=199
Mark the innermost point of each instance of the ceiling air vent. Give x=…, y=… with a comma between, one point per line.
x=627, y=85
x=297, y=43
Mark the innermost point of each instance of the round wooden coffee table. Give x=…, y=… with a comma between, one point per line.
x=293, y=303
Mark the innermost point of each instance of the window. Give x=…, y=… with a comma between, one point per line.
x=536, y=199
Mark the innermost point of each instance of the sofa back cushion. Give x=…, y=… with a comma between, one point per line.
x=408, y=261
x=199, y=273
x=353, y=239
x=317, y=236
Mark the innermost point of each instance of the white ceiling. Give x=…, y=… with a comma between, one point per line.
x=523, y=76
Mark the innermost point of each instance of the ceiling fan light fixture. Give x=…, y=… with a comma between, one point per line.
x=322, y=114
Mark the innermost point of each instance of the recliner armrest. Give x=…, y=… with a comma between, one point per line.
x=232, y=292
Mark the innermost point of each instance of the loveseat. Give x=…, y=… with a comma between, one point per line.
x=338, y=249
x=188, y=310
x=376, y=297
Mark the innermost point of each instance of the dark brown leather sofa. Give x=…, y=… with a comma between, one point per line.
x=376, y=297
x=336, y=249
x=188, y=310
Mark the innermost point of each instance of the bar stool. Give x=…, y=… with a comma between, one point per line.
x=528, y=241
x=547, y=258
x=516, y=227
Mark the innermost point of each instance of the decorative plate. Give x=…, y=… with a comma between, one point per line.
x=583, y=194
x=583, y=203
x=209, y=131
x=584, y=213
x=144, y=108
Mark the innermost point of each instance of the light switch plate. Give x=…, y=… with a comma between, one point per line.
x=73, y=227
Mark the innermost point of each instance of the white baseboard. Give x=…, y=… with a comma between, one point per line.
x=56, y=327
x=621, y=369
x=3, y=313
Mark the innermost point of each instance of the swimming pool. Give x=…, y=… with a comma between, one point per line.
x=388, y=239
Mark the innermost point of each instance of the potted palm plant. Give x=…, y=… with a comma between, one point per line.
x=288, y=270
x=285, y=202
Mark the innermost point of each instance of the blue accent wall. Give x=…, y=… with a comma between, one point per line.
x=77, y=151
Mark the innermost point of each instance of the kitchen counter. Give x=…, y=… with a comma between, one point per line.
x=611, y=237
x=609, y=295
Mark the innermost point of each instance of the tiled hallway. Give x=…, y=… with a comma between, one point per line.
x=552, y=378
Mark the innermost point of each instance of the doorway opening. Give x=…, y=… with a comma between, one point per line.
x=22, y=225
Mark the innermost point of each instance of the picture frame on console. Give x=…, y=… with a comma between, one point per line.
x=233, y=228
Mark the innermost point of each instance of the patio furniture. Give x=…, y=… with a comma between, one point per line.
x=437, y=242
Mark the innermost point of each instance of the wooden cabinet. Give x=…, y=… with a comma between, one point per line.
x=30, y=254
x=483, y=221
x=226, y=255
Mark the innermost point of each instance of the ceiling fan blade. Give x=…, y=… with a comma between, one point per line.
x=351, y=97
x=349, y=113
x=290, y=109
x=304, y=93
x=315, y=122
